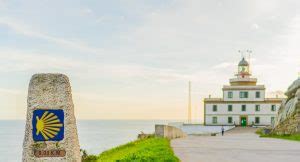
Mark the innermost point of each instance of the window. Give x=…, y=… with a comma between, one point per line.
x=229, y=120
x=229, y=107
x=243, y=94
x=243, y=107
x=273, y=108
x=272, y=120
x=256, y=120
x=215, y=120
x=215, y=108
x=257, y=94
x=257, y=107
x=230, y=94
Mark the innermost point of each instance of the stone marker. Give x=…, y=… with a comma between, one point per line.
x=51, y=132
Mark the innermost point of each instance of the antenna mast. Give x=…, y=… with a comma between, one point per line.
x=189, y=105
x=249, y=59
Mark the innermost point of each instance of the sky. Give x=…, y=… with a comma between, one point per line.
x=132, y=59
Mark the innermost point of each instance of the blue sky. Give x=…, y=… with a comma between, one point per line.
x=133, y=59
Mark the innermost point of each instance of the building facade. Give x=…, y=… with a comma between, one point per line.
x=243, y=102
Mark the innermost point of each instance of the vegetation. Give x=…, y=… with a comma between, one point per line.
x=293, y=137
x=150, y=149
x=259, y=131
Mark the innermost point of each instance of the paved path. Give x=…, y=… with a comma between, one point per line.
x=238, y=145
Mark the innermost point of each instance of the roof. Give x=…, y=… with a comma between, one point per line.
x=243, y=62
x=244, y=87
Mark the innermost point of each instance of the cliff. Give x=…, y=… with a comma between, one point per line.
x=288, y=117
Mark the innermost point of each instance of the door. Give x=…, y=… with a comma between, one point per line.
x=243, y=121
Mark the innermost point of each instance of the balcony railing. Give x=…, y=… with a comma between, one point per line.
x=243, y=80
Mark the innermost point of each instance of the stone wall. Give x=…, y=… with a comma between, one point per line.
x=169, y=132
x=288, y=117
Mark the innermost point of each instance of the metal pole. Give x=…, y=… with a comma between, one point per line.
x=189, y=105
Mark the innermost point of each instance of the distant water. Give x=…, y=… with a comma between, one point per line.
x=95, y=136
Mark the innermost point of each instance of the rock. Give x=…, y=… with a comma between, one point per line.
x=143, y=135
x=288, y=117
x=51, y=132
x=298, y=94
x=293, y=88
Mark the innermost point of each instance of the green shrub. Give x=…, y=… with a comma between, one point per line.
x=90, y=158
x=259, y=131
x=293, y=137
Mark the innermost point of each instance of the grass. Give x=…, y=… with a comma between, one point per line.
x=151, y=149
x=292, y=137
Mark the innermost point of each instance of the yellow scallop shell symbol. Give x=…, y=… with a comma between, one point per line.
x=48, y=125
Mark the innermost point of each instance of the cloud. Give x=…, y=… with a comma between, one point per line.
x=184, y=40
x=10, y=91
x=2, y=2
x=86, y=11
x=255, y=26
x=101, y=19
x=71, y=44
x=224, y=65
x=21, y=61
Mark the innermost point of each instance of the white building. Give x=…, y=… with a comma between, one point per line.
x=243, y=102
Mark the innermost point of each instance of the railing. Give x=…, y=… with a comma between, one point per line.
x=243, y=79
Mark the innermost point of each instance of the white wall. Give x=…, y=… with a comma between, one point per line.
x=202, y=129
x=237, y=109
x=223, y=119
x=222, y=113
x=251, y=95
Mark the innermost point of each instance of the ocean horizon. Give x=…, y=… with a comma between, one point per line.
x=95, y=136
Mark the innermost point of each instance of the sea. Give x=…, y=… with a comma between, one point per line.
x=95, y=136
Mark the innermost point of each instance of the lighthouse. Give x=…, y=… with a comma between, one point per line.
x=243, y=102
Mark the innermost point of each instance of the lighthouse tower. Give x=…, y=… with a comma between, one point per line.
x=243, y=77
x=243, y=68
